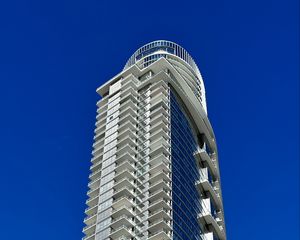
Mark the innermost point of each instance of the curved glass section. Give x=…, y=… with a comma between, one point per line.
x=163, y=46
x=186, y=199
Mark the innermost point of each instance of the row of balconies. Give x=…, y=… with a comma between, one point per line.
x=159, y=194
x=130, y=92
x=208, y=189
x=126, y=91
x=127, y=107
x=125, y=180
x=126, y=135
x=101, y=125
x=210, y=224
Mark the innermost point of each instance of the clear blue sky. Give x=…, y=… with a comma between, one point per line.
x=54, y=54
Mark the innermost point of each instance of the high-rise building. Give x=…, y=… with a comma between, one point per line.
x=155, y=172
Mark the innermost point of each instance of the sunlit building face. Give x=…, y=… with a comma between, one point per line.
x=155, y=172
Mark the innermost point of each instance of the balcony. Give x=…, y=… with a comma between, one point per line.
x=123, y=211
x=124, y=182
x=131, y=80
x=207, y=190
x=159, y=224
x=122, y=220
x=99, y=142
x=92, y=201
x=122, y=231
x=163, y=165
x=159, y=82
x=204, y=160
x=159, y=214
x=100, y=134
x=129, y=103
x=159, y=110
x=130, y=149
x=160, y=125
x=90, y=229
x=129, y=118
x=95, y=167
x=123, y=201
x=125, y=191
x=128, y=97
x=163, y=103
x=125, y=165
x=158, y=159
x=91, y=210
x=158, y=118
x=160, y=203
x=125, y=157
x=158, y=98
x=95, y=175
x=159, y=235
x=126, y=173
x=95, y=183
x=93, y=192
x=126, y=134
x=95, y=160
x=158, y=176
x=99, y=124
x=102, y=102
x=101, y=113
x=124, y=141
x=126, y=111
x=97, y=151
x=158, y=148
x=159, y=90
x=159, y=185
x=127, y=89
x=209, y=224
x=159, y=133
x=160, y=193
x=89, y=237
x=88, y=220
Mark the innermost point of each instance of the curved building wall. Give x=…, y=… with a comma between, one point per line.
x=186, y=199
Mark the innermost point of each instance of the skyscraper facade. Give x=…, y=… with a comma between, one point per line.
x=155, y=172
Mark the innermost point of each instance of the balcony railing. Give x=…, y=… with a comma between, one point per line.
x=209, y=224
